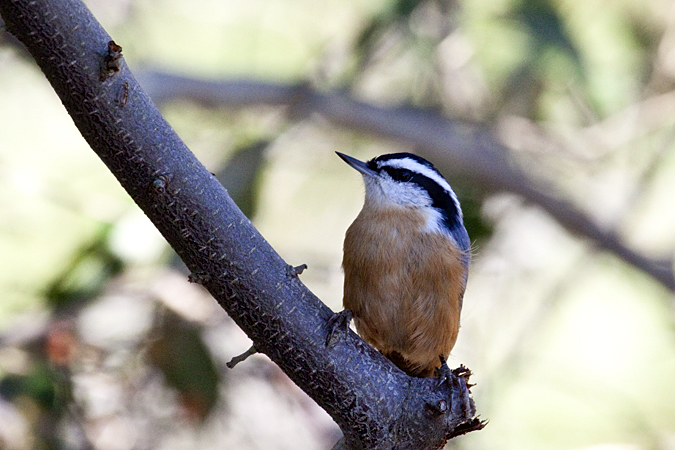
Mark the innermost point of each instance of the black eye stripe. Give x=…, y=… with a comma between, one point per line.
x=398, y=174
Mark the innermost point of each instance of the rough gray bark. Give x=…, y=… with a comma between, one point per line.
x=376, y=405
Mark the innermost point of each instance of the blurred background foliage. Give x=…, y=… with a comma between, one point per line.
x=105, y=345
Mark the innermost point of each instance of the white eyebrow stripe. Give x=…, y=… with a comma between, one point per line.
x=414, y=166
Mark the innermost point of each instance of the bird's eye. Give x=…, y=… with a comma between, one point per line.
x=404, y=175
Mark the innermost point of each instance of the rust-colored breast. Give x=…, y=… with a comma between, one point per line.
x=404, y=286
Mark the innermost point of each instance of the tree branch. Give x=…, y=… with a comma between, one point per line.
x=455, y=147
x=376, y=405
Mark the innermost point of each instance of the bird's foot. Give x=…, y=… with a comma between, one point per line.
x=338, y=324
x=458, y=378
x=443, y=373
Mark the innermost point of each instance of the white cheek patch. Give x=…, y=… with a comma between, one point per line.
x=383, y=191
x=434, y=224
x=434, y=221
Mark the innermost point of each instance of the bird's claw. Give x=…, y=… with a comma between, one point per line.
x=337, y=324
x=443, y=373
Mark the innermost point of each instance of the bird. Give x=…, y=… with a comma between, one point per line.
x=406, y=258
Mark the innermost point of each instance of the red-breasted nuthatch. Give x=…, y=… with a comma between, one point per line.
x=406, y=261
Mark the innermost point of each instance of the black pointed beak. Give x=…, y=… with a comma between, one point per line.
x=358, y=165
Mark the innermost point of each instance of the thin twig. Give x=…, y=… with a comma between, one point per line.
x=240, y=358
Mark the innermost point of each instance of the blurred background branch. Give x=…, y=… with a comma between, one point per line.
x=466, y=150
